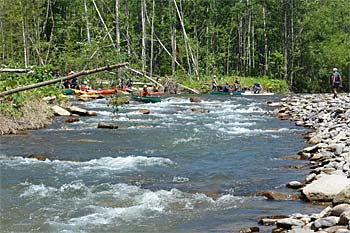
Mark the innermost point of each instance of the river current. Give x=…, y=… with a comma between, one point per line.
x=173, y=170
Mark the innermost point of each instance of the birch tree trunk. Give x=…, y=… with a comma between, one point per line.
x=117, y=25
x=127, y=25
x=195, y=66
x=266, y=66
x=25, y=52
x=292, y=45
x=173, y=46
x=152, y=38
x=104, y=25
x=87, y=22
x=285, y=40
x=249, y=61
x=143, y=18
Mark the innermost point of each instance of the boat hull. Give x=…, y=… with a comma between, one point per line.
x=147, y=99
x=258, y=94
x=226, y=93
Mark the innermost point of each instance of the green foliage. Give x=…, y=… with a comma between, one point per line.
x=11, y=105
x=302, y=40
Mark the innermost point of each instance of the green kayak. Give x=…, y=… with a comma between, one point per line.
x=146, y=99
x=68, y=91
x=226, y=93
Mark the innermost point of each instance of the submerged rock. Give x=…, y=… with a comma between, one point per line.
x=280, y=196
x=200, y=110
x=105, y=125
x=145, y=111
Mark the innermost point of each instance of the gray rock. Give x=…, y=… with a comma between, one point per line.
x=326, y=188
x=105, y=125
x=300, y=230
x=58, y=111
x=294, y=185
x=325, y=222
x=339, y=148
x=339, y=209
x=344, y=218
x=343, y=196
x=77, y=110
x=288, y=223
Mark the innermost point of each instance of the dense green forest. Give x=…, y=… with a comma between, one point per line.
x=298, y=41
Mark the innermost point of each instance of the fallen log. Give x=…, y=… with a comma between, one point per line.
x=45, y=83
x=13, y=70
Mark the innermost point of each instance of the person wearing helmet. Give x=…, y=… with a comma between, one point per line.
x=226, y=87
x=144, y=92
x=214, y=84
x=336, y=82
x=258, y=88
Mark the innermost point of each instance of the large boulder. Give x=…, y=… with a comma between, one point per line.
x=345, y=218
x=325, y=222
x=78, y=111
x=326, y=188
x=58, y=111
x=339, y=209
x=343, y=196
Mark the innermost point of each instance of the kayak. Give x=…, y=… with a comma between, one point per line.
x=157, y=93
x=226, y=93
x=105, y=91
x=258, y=94
x=68, y=91
x=146, y=99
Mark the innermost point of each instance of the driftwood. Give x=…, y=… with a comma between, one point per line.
x=187, y=88
x=9, y=70
x=154, y=81
x=144, y=75
x=45, y=83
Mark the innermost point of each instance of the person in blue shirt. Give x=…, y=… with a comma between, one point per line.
x=226, y=87
x=337, y=82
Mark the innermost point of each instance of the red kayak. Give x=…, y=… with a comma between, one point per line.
x=105, y=91
x=157, y=93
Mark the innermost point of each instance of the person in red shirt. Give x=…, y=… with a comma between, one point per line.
x=144, y=92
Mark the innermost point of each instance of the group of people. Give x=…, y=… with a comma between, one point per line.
x=257, y=88
x=227, y=87
x=74, y=83
x=128, y=84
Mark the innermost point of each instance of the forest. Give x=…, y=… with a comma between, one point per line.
x=298, y=41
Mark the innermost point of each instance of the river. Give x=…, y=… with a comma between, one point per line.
x=173, y=170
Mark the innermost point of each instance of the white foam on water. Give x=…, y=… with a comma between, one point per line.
x=120, y=164
x=38, y=191
x=149, y=204
x=179, y=179
x=184, y=140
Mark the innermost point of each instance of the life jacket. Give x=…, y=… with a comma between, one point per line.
x=336, y=78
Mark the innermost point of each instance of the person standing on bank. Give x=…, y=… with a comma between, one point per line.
x=336, y=82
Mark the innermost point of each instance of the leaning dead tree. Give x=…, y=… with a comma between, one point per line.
x=45, y=83
x=154, y=81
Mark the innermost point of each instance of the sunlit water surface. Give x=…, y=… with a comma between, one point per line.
x=173, y=170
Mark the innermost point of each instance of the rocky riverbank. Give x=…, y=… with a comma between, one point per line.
x=329, y=159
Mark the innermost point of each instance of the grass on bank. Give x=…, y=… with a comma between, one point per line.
x=268, y=83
